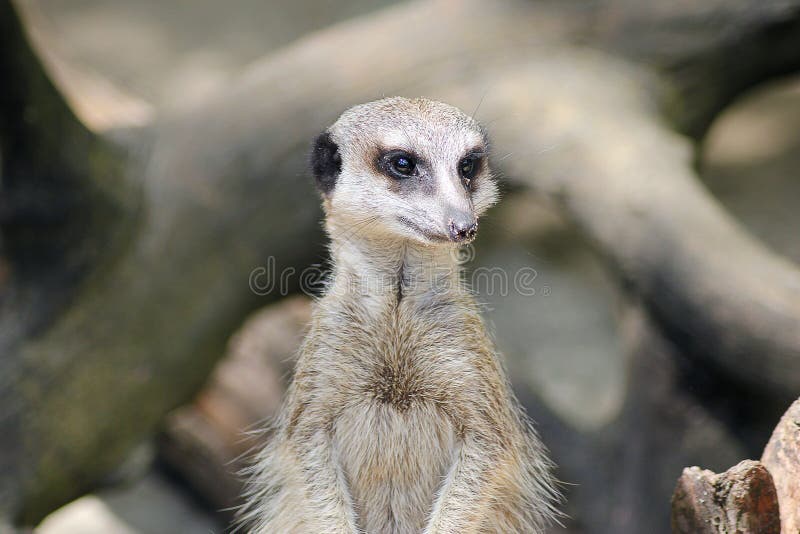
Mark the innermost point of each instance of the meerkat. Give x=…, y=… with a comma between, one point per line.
x=400, y=418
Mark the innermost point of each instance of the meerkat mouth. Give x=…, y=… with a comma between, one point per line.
x=436, y=238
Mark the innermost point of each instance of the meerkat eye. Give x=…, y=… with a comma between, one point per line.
x=401, y=165
x=468, y=168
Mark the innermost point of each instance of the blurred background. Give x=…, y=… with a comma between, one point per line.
x=153, y=157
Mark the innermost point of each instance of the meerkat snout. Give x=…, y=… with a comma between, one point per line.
x=463, y=229
x=411, y=169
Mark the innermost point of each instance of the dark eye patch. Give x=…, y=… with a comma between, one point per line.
x=398, y=164
x=326, y=162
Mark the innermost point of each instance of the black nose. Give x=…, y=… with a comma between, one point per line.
x=463, y=229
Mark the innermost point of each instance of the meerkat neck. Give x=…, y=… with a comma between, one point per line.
x=392, y=268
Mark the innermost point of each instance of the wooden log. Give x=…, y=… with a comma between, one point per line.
x=782, y=458
x=742, y=499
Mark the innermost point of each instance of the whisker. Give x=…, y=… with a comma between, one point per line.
x=408, y=137
x=475, y=111
x=418, y=214
x=356, y=228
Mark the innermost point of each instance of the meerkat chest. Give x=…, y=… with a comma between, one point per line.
x=394, y=461
x=412, y=358
x=395, y=440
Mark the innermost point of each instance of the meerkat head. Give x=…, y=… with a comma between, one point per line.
x=408, y=168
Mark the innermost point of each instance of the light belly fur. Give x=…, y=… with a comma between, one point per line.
x=394, y=462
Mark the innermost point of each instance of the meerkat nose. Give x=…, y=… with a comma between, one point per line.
x=462, y=228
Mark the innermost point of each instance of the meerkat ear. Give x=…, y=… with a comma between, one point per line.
x=326, y=162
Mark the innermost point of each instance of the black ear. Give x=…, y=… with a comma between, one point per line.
x=326, y=163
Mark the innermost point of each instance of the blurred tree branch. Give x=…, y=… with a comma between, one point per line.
x=591, y=99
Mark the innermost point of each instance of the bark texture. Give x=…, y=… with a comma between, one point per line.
x=742, y=499
x=782, y=458
x=753, y=496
